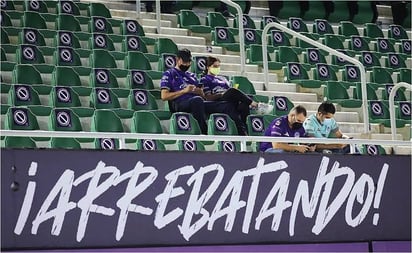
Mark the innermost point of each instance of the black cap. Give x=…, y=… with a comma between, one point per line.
x=185, y=55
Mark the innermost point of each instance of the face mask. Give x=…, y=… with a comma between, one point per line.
x=296, y=125
x=214, y=71
x=184, y=68
x=327, y=121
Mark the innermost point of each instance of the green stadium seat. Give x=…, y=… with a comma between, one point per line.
x=324, y=72
x=252, y=36
x=165, y=45
x=322, y=27
x=278, y=38
x=136, y=43
x=381, y=75
x=247, y=22
x=66, y=39
x=254, y=56
x=313, y=56
x=139, y=79
x=19, y=142
x=337, y=93
x=26, y=74
x=244, y=84
x=351, y=74
x=5, y=18
x=64, y=143
x=67, y=7
x=399, y=96
x=384, y=46
x=395, y=61
x=228, y=146
x=372, y=30
x=221, y=124
x=281, y=106
x=99, y=25
x=64, y=119
x=150, y=145
x=145, y=122
x=106, y=120
x=65, y=76
x=303, y=44
x=368, y=149
x=143, y=100
x=103, y=98
x=31, y=19
x=266, y=20
x=358, y=43
x=296, y=73
x=199, y=64
x=23, y=95
x=403, y=110
x=31, y=36
x=4, y=37
x=29, y=54
x=297, y=25
x=136, y=60
x=216, y=19
x=347, y=29
x=404, y=75
x=166, y=61
x=98, y=9
x=101, y=41
x=37, y=6
x=255, y=125
x=333, y=41
x=370, y=59
x=106, y=143
x=100, y=77
x=370, y=92
x=21, y=118
x=397, y=32
x=379, y=113
x=188, y=19
x=189, y=145
x=184, y=123
x=338, y=61
x=100, y=58
x=67, y=22
x=7, y=5
x=3, y=55
x=132, y=27
x=64, y=97
x=286, y=54
x=405, y=47
x=66, y=56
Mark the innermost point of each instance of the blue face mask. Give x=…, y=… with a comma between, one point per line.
x=327, y=121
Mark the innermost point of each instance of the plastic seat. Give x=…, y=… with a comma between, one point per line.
x=65, y=76
x=358, y=43
x=199, y=64
x=101, y=41
x=221, y=124
x=3, y=55
x=303, y=44
x=216, y=19
x=106, y=143
x=150, y=145
x=244, y=84
x=297, y=25
x=403, y=111
x=370, y=59
x=19, y=118
x=384, y=46
x=338, y=61
x=285, y=54
x=379, y=113
x=4, y=37
x=19, y=142
x=64, y=143
x=67, y=7
x=184, y=123
x=67, y=22
x=103, y=98
x=313, y=56
x=247, y=22
x=139, y=79
x=136, y=43
x=166, y=61
x=337, y=93
x=255, y=125
x=189, y=20
x=252, y=36
x=324, y=72
x=228, y=146
x=397, y=32
x=105, y=120
x=20, y=95
x=322, y=27
x=381, y=75
x=5, y=18
x=165, y=45
x=66, y=39
x=64, y=97
x=31, y=36
x=136, y=60
x=279, y=38
x=347, y=29
x=33, y=20
x=66, y=56
x=295, y=73
x=7, y=5
x=142, y=100
x=64, y=119
x=132, y=27
x=399, y=96
x=189, y=145
x=351, y=73
x=99, y=25
x=404, y=75
x=395, y=61
x=266, y=20
x=254, y=56
x=333, y=41
x=100, y=77
x=100, y=58
x=98, y=9
x=281, y=105
x=372, y=30
x=405, y=47
x=29, y=54
x=145, y=122
x=368, y=149
x=26, y=74
x=37, y=6
x=370, y=92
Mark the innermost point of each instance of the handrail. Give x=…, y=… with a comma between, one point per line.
x=158, y=16
x=122, y=135
x=328, y=49
x=138, y=7
x=241, y=34
x=392, y=105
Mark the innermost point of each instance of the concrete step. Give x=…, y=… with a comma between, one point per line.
x=341, y=116
x=402, y=150
x=178, y=39
x=293, y=96
x=350, y=128
x=167, y=30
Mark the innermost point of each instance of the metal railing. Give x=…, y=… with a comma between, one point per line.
x=323, y=47
x=392, y=105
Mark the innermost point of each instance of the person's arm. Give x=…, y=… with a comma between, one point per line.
x=212, y=97
x=291, y=147
x=166, y=95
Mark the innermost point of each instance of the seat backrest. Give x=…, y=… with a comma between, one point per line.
x=67, y=22
x=378, y=110
x=31, y=36
x=65, y=76
x=370, y=92
x=333, y=41
x=324, y=72
x=34, y=20
x=4, y=36
x=221, y=124
x=106, y=143
x=7, y=5
x=137, y=60
x=399, y=96
x=403, y=110
x=19, y=142
x=383, y=45
x=150, y=145
x=35, y=5
x=19, y=118
x=286, y=54
x=63, y=119
x=139, y=79
x=358, y=43
x=347, y=28
x=405, y=75
x=397, y=32
x=64, y=97
x=184, y=123
x=102, y=77
x=247, y=22
x=67, y=7
x=26, y=74
x=395, y=61
x=100, y=25
x=295, y=71
x=351, y=73
x=369, y=149
x=255, y=125
x=214, y=19
x=66, y=39
x=141, y=100
x=252, y=36
x=29, y=54
x=244, y=84
x=100, y=58
x=370, y=59
x=381, y=75
x=131, y=27
x=103, y=98
x=145, y=122
x=66, y=56
x=335, y=90
x=64, y=143
x=281, y=105
x=105, y=120
x=165, y=45
x=189, y=145
x=134, y=43
x=279, y=38
x=101, y=41
x=322, y=26
x=313, y=56
x=228, y=146
x=187, y=18
x=199, y=64
x=20, y=95
x=297, y=24
x=98, y=9
x=266, y=20
x=166, y=62
x=405, y=48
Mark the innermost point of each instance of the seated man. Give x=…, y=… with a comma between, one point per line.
x=323, y=125
x=287, y=126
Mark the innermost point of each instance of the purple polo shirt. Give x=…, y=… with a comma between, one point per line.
x=279, y=127
x=175, y=80
x=214, y=84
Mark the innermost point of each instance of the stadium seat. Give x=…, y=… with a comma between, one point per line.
x=64, y=143
x=358, y=43
x=404, y=75
x=105, y=120
x=65, y=76
x=216, y=19
x=145, y=122
x=150, y=145
x=19, y=142
x=397, y=32
x=303, y=44
x=281, y=105
x=347, y=29
x=31, y=36
x=188, y=19
x=286, y=54
x=338, y=61
x=405, y=47
x=66, y=39
x=26, y=74
x=379, y=113
x=67, y=7
x=370, y=92
x=184, y=123
x=337, y=93
x=221, y=124
x=351, y=74
x=255, y=125
x=4, y=37
x=189, y=145
x=278, y=38
x=139, y=79
x=100, y=58
x=322, y=27
x=324, y=72
x=101, y=41
x=166, y=61
x=199, y=64
x=372, y=30
x=244, y=84
x=399, y=96
x=67, y=22
x=228, y=146
x=106, y=143
x=98, y=9
x=19, y=118
x=64, y=97
x=370, y=59
x=66, y=56
x=254, y=56
x=31, y=19
x=333, y=41
x=297, y=25
x=403, y=110
x=136, y=60
x=364, y=12
x=381, y=75
x=3, y=55
x=266, y=20
x=5, y=18
x=103, y=98
x=143, y=100
x=368, y=149
x=23, y=95
x=7, y=5
x=313, y=56
x=395, y=61
x=384, y=46
x=99, y=25
x=29, y=54
x=64, y=119
x=136, y=43
x=132, y=27
x=295, y=73
x=247, y=22
x=35, y=5
x=101, y=77
x=165, y=45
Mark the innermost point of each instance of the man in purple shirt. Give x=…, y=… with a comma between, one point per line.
x=184, y=93
x=287, y=126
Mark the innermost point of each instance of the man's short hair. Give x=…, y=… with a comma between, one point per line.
x=185, y=55
x=327, y=107
x=299, y=109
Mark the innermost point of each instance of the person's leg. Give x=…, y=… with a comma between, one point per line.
x=235, y=95
x=229, y=109
x=274, y=150
x=196, y=107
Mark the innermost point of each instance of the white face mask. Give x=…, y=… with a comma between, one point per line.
x=327, y=121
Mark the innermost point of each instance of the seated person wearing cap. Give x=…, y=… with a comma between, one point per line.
x=185, y=94
x=287, y=126
x=323, y=125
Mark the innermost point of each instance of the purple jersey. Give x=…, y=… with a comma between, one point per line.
x=175, y=80
x=214, y=84
x=279, y=127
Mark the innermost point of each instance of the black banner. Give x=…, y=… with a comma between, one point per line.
x=94, y=199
